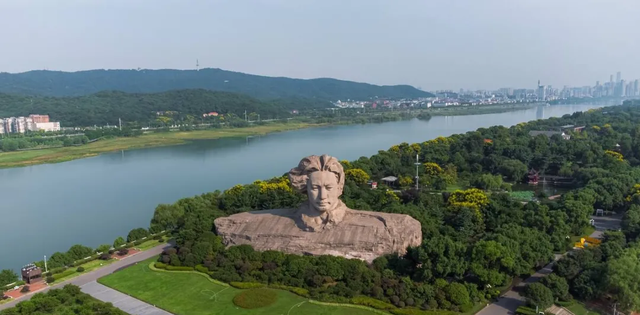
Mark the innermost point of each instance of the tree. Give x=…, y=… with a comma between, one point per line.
x=513, y=169
x=624, y=278
x=7, y=276
x=457, y=293
x=631, y=222
x=103, y=248
x=137, y=234
x=357, y=175
x=119, y=242
x=487, y=182
x=166, y=217
x=77, y=252
x=558, y=286
x=538, y=295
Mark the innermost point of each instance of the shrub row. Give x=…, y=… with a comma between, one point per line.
x=86, y=260
x=415, y=311
x=61, y=275
x=160, y=265
x=295, y=290
x=246, y=285
x=565, y=303
x=371, y=302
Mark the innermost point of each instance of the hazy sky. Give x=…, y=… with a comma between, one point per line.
x=433, y=44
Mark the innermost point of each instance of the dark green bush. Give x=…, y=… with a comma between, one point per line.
x=80, y=269
x=246, y=285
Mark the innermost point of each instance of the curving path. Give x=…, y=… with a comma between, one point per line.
x=509, y=302
x=92, y=276
x=120, y=300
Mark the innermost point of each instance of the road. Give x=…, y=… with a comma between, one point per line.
x=509, y=302
x=96, y=274
x=120, y=300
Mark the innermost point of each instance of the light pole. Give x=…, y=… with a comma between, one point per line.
x=417, y=163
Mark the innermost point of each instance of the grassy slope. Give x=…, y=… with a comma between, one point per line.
x=193, y=294
x=56, y=155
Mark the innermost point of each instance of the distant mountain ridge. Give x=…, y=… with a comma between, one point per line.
x=61, y=84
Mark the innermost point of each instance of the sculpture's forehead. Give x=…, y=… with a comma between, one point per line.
x=323, y=177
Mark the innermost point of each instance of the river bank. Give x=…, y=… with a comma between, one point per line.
x=64, y=154
x=119, y=191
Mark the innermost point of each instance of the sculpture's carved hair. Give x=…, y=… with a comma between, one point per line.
x=299, y=176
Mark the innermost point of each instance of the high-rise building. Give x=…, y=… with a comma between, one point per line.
x=636, y=92
x=618, y=77
x=621, y=88
x=541, y=92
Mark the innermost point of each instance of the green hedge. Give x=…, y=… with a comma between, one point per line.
x=84, y=261
x=295, y=290
x=565, y=303
x=178, y=268
x=160, y=265
x=371, y=302
x=61, y=275
x=203, y=269
x=523, y=310
x=57, y=270
x=246, y=285
x=415, y=311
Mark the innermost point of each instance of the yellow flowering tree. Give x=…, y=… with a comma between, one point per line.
x=472, y=198
x=357, y=175
x=616, y=155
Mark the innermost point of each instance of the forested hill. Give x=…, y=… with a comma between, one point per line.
x=106, y=107
x=56, y=83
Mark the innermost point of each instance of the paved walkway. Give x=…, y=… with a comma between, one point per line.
x=509, y=302
x=120, y=300
x=98, y=273
x=559, y=310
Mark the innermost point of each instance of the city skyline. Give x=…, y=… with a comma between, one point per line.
x=630, y=83
x=420, y=43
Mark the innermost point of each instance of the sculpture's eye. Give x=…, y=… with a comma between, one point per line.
x=315, y=188
x=329, y=188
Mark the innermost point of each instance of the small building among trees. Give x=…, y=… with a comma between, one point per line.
x=31, y=274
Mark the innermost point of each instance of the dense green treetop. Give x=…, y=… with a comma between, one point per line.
x=57, y=83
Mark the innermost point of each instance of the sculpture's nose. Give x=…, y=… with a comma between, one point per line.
x=322, y=194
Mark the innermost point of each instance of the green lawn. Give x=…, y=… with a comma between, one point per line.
x=90, y=266
x=151, y=243
x=578, y=308
x=193, y=294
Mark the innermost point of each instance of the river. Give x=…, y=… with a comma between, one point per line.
x=48, y=208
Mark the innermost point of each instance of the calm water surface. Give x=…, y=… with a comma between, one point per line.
x=48, y=208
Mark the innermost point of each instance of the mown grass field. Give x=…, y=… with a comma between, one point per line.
x=578, y=308
x=57, y=155
x=184, y=293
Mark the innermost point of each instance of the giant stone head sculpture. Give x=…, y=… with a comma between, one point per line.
x=322, y=179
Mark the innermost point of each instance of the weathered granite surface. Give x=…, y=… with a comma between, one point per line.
x=361, y=234
x=323, y=225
